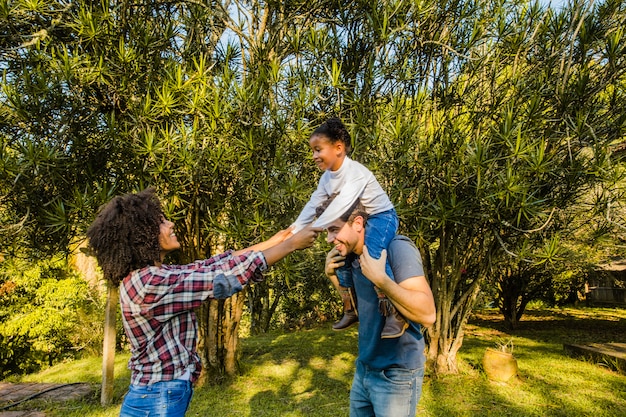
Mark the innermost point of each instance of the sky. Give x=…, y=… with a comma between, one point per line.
x=556, y=4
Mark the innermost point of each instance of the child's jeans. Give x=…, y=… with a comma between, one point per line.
x=380, y=229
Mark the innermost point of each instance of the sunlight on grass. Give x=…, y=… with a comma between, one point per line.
x=551, y=383
x=308, y=374
x=84, y=370
x=341, y=366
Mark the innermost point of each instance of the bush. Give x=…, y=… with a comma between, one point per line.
x=48, y=313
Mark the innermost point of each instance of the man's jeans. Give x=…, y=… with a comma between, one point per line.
x=163, y=399
x=391, y=392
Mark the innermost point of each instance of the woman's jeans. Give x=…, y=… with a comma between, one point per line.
x=392, y=392
x=162, y=399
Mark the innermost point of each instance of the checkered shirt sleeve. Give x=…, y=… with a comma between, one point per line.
x=157, y=306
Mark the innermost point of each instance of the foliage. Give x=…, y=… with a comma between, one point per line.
x=48, y=314
x=492, y=160
x=297, y=301
x=506, y=346
x=105, y=98
x=487, y=122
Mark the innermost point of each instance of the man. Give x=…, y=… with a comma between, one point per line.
x=389, y=372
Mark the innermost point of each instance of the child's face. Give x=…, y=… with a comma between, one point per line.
x=327, y=155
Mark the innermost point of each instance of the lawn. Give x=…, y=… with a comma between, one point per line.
x=308, y=373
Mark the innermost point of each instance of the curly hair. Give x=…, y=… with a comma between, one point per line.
x=125, y=234
x=335, y=131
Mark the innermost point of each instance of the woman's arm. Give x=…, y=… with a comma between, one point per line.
x=301, y=240
x=273, y=241
x=283, y=243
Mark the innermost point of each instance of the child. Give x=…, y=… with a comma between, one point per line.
x=350, y=181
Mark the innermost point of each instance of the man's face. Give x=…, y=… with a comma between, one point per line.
x=347, y=237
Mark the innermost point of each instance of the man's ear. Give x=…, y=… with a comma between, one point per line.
x=358, y=223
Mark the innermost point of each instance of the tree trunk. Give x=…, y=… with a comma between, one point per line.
x=108, y=350
x=232, y=318
x=446, y=335
x=218, y=337
x=259, y=306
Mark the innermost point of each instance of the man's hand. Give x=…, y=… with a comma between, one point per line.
x=334, y=260
x=373, y=269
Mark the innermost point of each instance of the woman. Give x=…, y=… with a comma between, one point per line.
x=130, y=238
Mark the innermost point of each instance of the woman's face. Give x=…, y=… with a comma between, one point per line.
x=327, y=155
x=167, y=237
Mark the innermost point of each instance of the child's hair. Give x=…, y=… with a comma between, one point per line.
x=335, y=131
x=125, y=234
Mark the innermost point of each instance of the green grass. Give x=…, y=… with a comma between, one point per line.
x=308, y=373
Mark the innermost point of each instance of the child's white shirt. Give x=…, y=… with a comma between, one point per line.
x=352, y=180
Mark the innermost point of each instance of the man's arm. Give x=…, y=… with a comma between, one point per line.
x=412, y=297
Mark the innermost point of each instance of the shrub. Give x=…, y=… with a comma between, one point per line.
x=49, y=313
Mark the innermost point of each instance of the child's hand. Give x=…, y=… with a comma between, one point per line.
x=334, y=260
x=305, y=237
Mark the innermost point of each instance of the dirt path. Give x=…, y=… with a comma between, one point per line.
x=12, y=395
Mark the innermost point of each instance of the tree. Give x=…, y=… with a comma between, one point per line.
x=513, y=135
x=485, y=121
x=106, y=98
x=45, y=308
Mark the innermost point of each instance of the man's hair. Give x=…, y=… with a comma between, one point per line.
x=125, y=234
x=356, y=209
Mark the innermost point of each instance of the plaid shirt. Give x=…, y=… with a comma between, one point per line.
x=157, y=306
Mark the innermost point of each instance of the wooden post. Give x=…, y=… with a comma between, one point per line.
x=108, y=349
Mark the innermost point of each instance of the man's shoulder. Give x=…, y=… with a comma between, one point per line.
x=404, y=257
x=401, y=241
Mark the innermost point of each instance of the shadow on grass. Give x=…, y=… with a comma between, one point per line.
x=583, y=325
x=307, y=373
x=551, y=383
x=582, y=393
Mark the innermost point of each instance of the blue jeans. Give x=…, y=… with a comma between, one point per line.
x=380, y=229
x=392, y=392
x=162, y=399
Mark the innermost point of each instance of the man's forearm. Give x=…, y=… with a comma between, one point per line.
x=415, y=302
